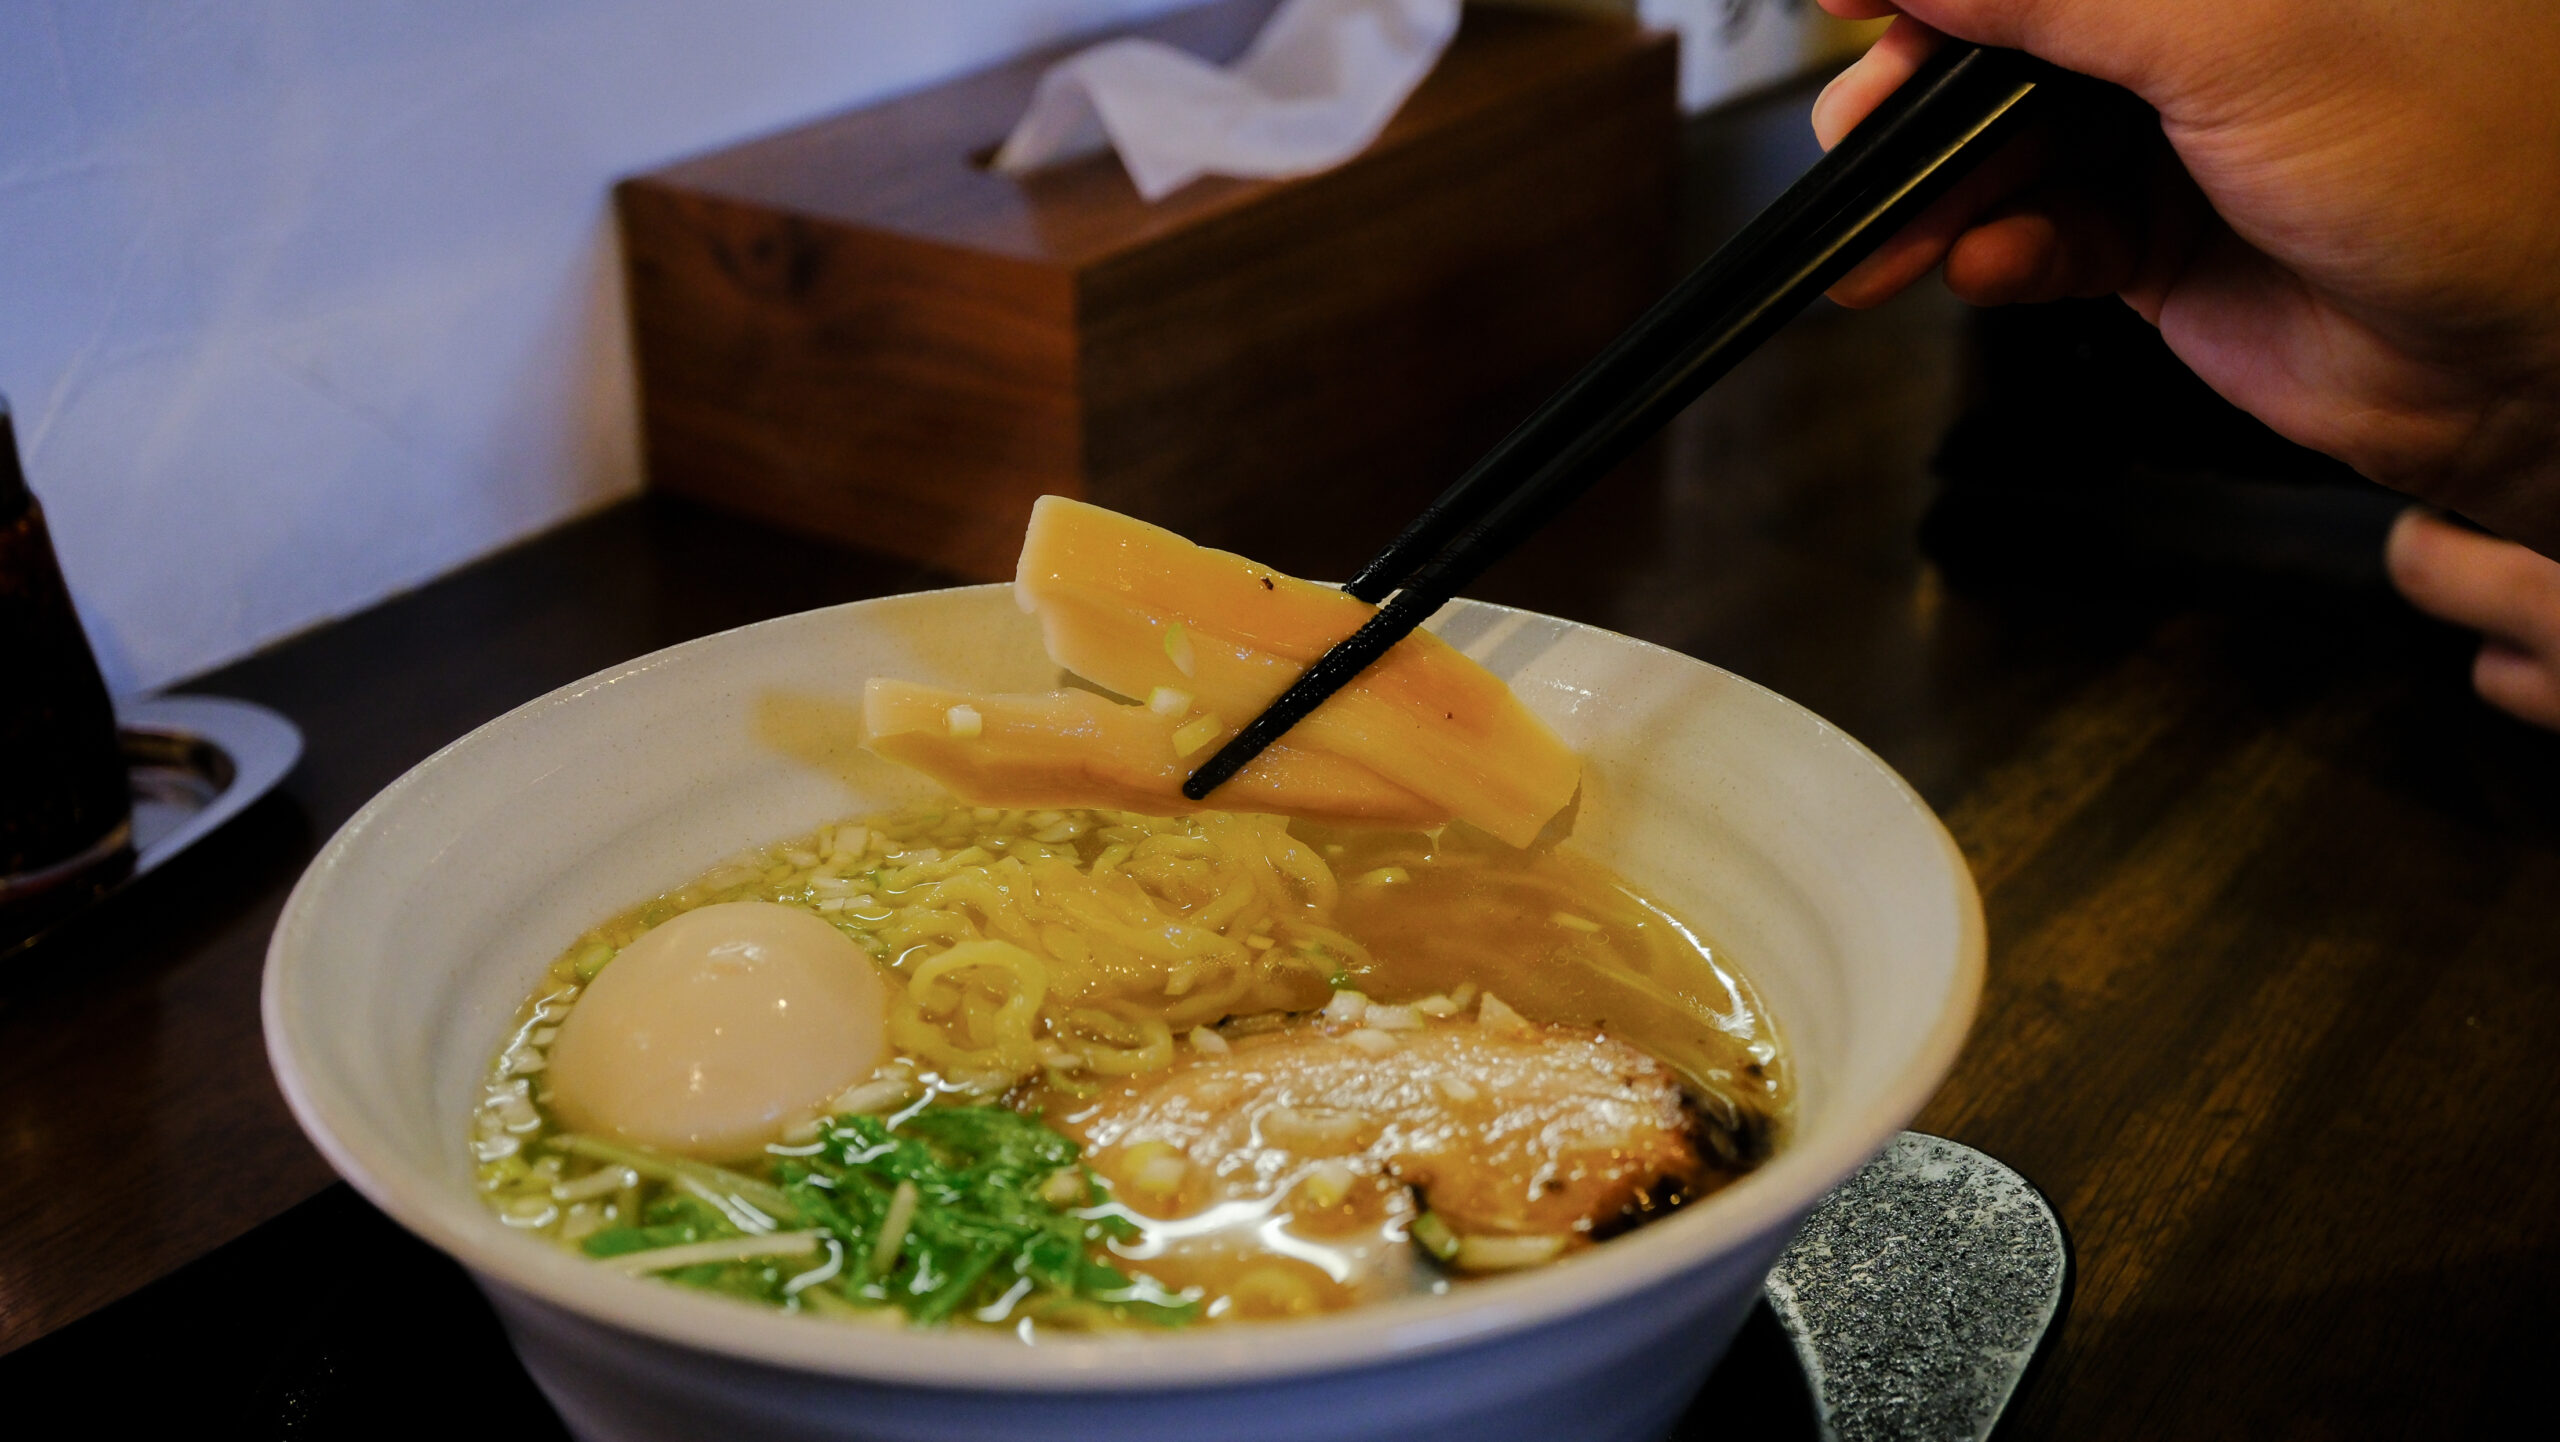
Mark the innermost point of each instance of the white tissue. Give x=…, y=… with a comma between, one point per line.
x=1317, y=85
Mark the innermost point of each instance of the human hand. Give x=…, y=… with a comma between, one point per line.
x=2498, y=588
x=2349, y=223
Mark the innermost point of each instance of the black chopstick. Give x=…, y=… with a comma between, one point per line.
x=1962, y=104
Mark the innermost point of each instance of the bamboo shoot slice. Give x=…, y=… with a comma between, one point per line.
x=1074, y=748
x=1133, y=607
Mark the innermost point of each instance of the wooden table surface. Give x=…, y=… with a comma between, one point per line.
x=2274, y=905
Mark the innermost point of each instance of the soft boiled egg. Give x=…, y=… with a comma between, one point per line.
x=717, y=1029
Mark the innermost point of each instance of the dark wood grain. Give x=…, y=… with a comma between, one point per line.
x=855, y=329
x=2271, y=897
x=2274, y=972
x=138, y=1125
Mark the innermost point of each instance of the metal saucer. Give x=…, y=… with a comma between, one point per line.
x=193, y=762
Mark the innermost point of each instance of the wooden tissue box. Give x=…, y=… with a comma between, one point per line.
x=854, y=328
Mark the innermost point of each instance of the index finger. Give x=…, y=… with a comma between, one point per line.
x=2482, y=582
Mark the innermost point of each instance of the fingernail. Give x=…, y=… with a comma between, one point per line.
x=1822, y=130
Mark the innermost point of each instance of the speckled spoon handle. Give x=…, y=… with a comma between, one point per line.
x=1920, y=1292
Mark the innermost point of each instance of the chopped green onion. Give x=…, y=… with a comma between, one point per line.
x=720, y=1249
x=1433, y=1235
x=1191, y=735
x=928, y=1211
x=684, y=1172
x=893, y=1230
x=1507, y=1254
x=592, y=960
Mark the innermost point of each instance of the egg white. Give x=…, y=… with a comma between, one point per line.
x=717, y=1029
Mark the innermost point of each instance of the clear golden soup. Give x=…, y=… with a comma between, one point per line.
x=1250, y=1069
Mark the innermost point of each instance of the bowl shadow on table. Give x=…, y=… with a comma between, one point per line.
x=326, y=1322
x=330, y=1322
x=2094, y=474
x=200, y=891
x=2092, y=462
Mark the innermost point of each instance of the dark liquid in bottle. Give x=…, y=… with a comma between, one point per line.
x=64, y=798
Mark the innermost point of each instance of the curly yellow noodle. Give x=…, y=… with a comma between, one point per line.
x=1243, y=846
x=1028, y=937
x=1123, y=1040
x=1221, y=997
x=1307, y=933
x=993, y=989
x=1228, y=906
x=1299, y=862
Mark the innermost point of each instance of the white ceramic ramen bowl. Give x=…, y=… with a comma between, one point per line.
x=419, y=930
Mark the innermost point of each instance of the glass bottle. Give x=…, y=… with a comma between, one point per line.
x=65, y=803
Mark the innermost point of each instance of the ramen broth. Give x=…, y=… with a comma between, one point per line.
x=1563, y=939
x=1150, y=1071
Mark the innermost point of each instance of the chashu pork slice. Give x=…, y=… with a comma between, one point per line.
x=1522, y=1140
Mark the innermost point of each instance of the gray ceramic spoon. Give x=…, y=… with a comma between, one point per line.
x=1918, y=1293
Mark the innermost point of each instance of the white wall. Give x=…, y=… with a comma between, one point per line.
x=1731, y=48
x=303, y=302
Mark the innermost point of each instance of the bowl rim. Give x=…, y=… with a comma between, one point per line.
x=1769, y=1200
